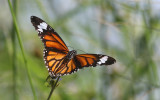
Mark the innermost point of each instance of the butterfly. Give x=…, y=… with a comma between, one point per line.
x=58, y=59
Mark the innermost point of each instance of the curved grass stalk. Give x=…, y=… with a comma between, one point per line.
x=21, y=47
x=53, y=87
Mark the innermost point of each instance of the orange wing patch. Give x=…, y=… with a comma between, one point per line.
x=86, y=60
x=54, y=55
x=54, y=41
x=61, y=68
x=71, y=66
x=57, y=38
x=54, y=45
x=48, y=37
x=55, y=66
x=51, y=63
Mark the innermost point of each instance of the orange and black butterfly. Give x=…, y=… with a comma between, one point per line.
x=58, y=59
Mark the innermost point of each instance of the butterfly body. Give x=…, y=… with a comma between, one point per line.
x=71, y=54
x=58, y=59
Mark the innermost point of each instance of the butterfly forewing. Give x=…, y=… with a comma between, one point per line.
x=49, y=37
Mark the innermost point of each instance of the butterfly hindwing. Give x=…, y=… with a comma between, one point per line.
x=67, y=68
x=58, y=65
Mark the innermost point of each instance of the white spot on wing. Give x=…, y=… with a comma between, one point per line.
x=42, y=26
x=103, y=60
x=99, y=62
x=40, y=30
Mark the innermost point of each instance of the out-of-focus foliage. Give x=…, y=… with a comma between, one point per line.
x=127, y=30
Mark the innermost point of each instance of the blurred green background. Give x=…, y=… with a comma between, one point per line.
x=127, y=30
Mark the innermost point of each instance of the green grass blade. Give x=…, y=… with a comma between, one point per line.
x=14, y=53
x=22, y=49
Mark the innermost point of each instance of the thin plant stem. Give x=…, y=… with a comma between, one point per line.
x=22, y=49
x=14, y=59
x=53, y=87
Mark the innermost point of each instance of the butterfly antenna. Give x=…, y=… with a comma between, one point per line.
x=81, y=51
x=77, y=49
